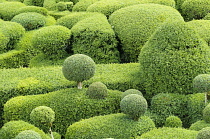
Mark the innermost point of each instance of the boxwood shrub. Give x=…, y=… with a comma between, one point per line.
x=173, y=121
x=171, y=3
x=70, y=105
x=94, y=37
x=207, y=17
x=25, y=9
x=174, y=55
x=4, y=40
x=199, y=125
x=38, y=3
x=28, y=134
x=204, y=133
x=135, y=24
x=82, y=5
x=118, y=126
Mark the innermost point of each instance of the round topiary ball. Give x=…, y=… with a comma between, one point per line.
x=42, y=115
x=97, y=90
x=78, y=67
x=201, y=83
x=206, y=113
x=173, y=121
x=28, y=134
x=131, y=91
x=204, y=133
x=134, y=105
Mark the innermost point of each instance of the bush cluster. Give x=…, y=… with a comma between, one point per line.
x=38, y=3
x=36, y=9
x=197, y=126
x=82, y=5
x=28, y=134
x=173, y=121
x=97, y=90
x=131, y=91
x=204, y=133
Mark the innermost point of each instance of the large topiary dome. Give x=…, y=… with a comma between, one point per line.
x=172, y=58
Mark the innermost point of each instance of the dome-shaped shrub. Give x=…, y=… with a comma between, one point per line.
x=3, y=43
x=195, y=9
x=204, y=133
x=173, y=121
x=52, y=41
x=135, y=24
x=61, y=6
x=131, y=91
x=207, y=17
x=97, y=90
x=82, y=5
x=38, y=3
x=28, y=134
x=206, y=113
x=172, y=57
x=36, y=9
x=134, y=105
x=30, y=20
x=200, y=124
x=78, y=67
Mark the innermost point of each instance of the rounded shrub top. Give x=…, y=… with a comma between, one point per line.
x=173, y=121
x=28, y=134
x=97, y=90
x=204, y=133
x=131, y=91
x=206, y=113
x=25, y=9
x=201, y=83
x=3, y=43
x=134, y=105
x=30, y=20
x=42, y=114
x=78, y=67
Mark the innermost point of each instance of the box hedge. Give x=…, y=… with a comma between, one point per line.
x=135, y=24
x=4, y=40
x=199, y=125
x=38, y=3
x=82, y=5
x=40, y=10
x=118, y=126
x=174, y=55
x=69, y=105
x=95, y=37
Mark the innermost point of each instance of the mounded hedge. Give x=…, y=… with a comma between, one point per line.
x=204, y=133
x=131, y=91
x=28, y=134
x=171, y=3
x=174, y=55
x=118, y=126
x=173, y=121
x=25, y=9
x=197, y=126
x=13, y=128
x=169, y=133
x=70, y=105
x=135, y=24
x=4, y=40
x=38, y=3
x=82, y=5
x=95, y=37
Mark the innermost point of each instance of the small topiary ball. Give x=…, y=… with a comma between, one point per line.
x=131, y=91
x=97, y=90
x=134, y=105
x=204, y=133
x=201, y=83
x=42, y=115
x=28, y=134
x=206, y=113
x=173, y=121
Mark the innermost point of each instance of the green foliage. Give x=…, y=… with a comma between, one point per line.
x=59, y=14
x=207, y=17
x=179, y=4
x=199, y=125
x=25, y=9
x=206, y=113
x=131, y=91
x=8, y=9
x=55, y=135
x=13, y=128
x=195, y=9
x=201, y=83
x=174, y=55
x=204, y=133
x=30, y=20
x=52, y=41
x=82, y=5
x=117, y=126
x=94, y=36
x=134, y=105
x=61, y=6
x=38, y=3
x=70, y=105
x=135, y=24
x=28, y=134
x=162, y=2
x=97, y=90
x=4, y=40
x=50, y=20
x=50, y=5
x=169, y=133
x=173, y=121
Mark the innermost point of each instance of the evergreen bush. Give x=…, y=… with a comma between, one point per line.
x=204, y=133
x=197, y=126
x=38, y=3
x=206, y=113
x=173, y=121
x=4, y=40
x=36, y=9
x=61, y=6
x=28, y=134
x=131, y=91
x=170, y=3
x=82, y=5
x=97, y=90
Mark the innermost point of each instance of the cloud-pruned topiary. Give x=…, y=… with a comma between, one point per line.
x=97, y=90
x=78, y=67
x=25, y=9
x=195, y=9
x=204, y=133
x=174, y=55
x=28, y=134
x=173, y=121
x=206, y=113
x=52, y=41
x=82, y=5
x=30, y=20
x=131, y=91
x=135, y=24
x=134, y=105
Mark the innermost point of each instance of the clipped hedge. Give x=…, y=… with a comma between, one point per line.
x=94, y=37
x=38, y=3
x=117, y=126
x=40, y=10
x=204, y=133
x=11, y=129
x=171, y=3
x=4, y=40
x=173, y=121
x=199, y=125
x=70, y=105
x=28, y=134
x=174, y=55
x=82, y=5
x=135, y=24
x=169, y=133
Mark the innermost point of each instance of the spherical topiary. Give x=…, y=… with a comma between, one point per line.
x=97, y=90
x=78, y=67
x=25, y=9
x=42, y=115
x=204, y=133
x=201, y=83
x=131, y=91
x=134, y=105
x=206, y=113
x=173, y=121
x=28, y=134
x=30, y=20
